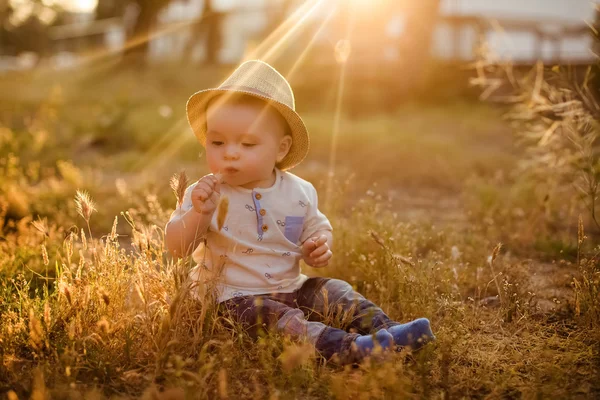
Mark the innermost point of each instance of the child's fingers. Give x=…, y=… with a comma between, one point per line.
x=309, y=245
x=319, y=251
x=202, y=194
x=325, y=257
x=203, y=185
x=321, y=240
x=208, y=180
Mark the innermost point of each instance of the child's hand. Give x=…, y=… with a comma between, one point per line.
x=206, y=194
x=316, y=252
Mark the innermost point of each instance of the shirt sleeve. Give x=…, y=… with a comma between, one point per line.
x=315, y=220
x=185, y=206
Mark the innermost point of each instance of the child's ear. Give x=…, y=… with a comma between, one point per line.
x=284, y=147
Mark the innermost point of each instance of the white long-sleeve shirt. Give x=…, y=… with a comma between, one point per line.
x=258, y=248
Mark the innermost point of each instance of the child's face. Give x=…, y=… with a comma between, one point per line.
x=244, y=141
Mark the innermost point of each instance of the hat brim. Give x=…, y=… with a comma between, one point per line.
x=196, y=115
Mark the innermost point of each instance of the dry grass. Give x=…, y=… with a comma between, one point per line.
x=110, y=314
x=119, y=320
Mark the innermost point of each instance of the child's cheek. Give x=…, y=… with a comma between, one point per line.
x=213, y=160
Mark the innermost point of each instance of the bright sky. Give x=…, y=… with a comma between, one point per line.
x=74, y=5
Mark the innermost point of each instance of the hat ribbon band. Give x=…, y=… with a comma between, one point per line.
x=246, y=89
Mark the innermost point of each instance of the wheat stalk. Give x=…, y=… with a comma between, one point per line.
x=85, y=205
x=179, y=182
x=42, y=226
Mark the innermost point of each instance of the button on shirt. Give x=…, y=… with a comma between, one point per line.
x=258, y=249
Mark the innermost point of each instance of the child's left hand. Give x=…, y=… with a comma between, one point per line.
x=316, y=252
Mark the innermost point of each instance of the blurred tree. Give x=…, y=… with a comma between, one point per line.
x=595, y=31
x=138, y=40
x=5, y=11
x=415, y=44
x=110, y=9
x=107, y=9
x=208, y=29
x=24, y=26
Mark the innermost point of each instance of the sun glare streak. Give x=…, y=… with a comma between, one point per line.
x=334, y=136
x=282, y=32
x=309, y=46
x=167, y=146
x=275, y=47
x=273, y=42
x=343, y=46
x=269, y=46
x=94, y=57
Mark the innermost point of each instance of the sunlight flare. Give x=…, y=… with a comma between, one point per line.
x=309, y=46
x=342, y=53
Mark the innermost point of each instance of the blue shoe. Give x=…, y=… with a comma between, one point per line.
x=366, y=343
x=413, y=334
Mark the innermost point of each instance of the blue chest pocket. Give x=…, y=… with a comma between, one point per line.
x=293, y=228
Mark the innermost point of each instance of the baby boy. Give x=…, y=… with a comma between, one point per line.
x=253, y=136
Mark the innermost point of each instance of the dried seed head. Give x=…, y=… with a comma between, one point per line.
x=47, y=316
x=72, y=331
x=45, y=255
x=68, y=245
x=580, y=231
x=65, y=290
x=174, y=304
x=222, y=211
x=81, y=261
x=35, y=331
x=495, y=252
x=41, y=225
x=403, y=259
x=85, y=205
x=113, y=232
x=179, y=183
x=377, y=238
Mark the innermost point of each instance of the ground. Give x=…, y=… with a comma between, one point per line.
x=420, y=197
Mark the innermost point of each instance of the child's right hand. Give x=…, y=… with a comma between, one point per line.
x=206, y=195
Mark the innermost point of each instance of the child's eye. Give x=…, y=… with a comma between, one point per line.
x=217, y=143
x=248, y=144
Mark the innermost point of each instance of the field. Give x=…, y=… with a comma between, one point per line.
x=421, y=196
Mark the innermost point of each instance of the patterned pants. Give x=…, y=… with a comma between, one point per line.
x=300, y=314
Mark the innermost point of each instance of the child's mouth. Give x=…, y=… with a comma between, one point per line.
x=230, y=170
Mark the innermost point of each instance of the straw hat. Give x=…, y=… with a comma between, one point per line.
x=258, y=79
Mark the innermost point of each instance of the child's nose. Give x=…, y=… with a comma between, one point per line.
x=232, y=152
